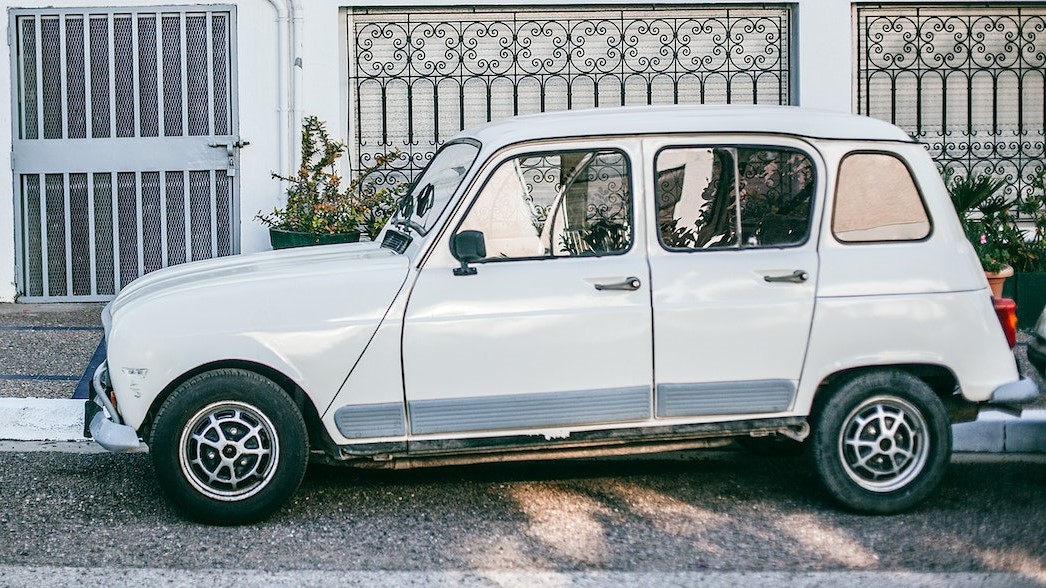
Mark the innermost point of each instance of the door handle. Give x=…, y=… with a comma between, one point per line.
x=796, y=277
x=629, y=284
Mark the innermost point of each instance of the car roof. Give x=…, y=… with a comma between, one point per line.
x=641, y=120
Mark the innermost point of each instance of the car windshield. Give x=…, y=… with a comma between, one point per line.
x=430, y=194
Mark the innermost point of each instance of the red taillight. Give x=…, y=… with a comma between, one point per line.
x=1006, y=310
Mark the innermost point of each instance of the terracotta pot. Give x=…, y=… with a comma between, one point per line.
x=997, y=279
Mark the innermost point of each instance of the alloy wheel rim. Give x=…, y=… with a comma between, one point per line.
x=229, y=451
x=884, y=444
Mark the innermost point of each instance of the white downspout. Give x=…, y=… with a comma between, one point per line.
x=288, y=79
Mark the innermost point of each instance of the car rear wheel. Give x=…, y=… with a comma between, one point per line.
x=881, y=442
x=229, y=447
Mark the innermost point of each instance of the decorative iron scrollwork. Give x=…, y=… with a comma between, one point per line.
x=966, y=81
x=419, y=77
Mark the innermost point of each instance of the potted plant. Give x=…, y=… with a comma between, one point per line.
x=317, y=211
x=375, y=194
x=988, y=223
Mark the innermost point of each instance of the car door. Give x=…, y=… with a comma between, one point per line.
x=551, y=327
x=734, y=272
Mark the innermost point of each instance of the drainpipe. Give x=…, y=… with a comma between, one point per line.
x=288, y=79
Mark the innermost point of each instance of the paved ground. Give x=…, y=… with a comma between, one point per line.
x=726, y=518
x=45, y=348
x=48, y=576
x=690, y=513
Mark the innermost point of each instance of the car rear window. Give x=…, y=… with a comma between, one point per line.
x=877, y=200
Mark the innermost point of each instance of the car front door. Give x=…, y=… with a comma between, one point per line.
x=734, y=271
x=550, y=329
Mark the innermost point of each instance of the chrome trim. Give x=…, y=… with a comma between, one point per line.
x=628, y=284
x=114, y=437
x=106, y=426
x=101, y=396
x=797, y=277
x=1019, y=392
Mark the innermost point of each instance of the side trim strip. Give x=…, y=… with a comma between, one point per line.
x=530, y=411
x=361, y=421
x=747, y=397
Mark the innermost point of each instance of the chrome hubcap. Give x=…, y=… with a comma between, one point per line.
x=883, y=444
x=229, y=451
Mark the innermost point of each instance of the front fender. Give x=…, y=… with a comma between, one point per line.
x=312, y=327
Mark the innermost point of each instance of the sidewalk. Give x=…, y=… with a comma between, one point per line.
x=48, y=353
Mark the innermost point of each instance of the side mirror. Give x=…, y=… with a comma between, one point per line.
x=467, y=247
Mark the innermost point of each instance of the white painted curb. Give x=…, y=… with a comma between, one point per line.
x=41, y=419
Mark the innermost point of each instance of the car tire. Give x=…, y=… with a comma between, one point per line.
x=229, y=447
x=772, y=446
x=881, y=442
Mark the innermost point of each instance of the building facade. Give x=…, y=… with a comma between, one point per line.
x=144, y=134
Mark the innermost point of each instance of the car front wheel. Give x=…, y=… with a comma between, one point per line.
x=881, y=442
x=229, y=447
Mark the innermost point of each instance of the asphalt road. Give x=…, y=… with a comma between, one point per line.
x=694, y=513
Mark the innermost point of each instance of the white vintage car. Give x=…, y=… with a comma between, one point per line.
x=584, y=283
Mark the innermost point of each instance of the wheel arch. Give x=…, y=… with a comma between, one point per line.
x=939, y=378
x=318, y=436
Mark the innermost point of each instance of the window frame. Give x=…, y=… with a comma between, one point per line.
x=524, y=152
x=915, y=183
x=810, y=223
x=424, y=231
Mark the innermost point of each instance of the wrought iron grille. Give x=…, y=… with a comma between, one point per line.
x=416, y=78
x=966, y=81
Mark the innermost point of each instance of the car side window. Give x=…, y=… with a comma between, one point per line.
x=733, y=197
x=876, y=200
x=558, y=204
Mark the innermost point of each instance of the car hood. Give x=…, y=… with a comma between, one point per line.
x=296, y=269
x=306, y=314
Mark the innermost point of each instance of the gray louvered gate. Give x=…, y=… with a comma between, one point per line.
x=125, y=145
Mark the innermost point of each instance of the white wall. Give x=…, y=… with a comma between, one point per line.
x=825, y=79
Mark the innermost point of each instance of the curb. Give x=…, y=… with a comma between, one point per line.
x=45, y=419
x=41, y=419
x=997, y=432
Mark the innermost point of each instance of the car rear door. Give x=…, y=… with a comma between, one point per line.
x=734, y=268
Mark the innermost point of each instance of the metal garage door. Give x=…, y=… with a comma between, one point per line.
x=416, y=77
x=125, y=147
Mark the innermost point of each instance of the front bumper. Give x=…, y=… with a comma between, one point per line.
x=103, y=423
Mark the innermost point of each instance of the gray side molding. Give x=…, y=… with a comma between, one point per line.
x=530, y=411
x=747, y=397
x=362, y=421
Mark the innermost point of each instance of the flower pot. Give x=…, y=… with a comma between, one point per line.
x=282, y=239
x=997, y=279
